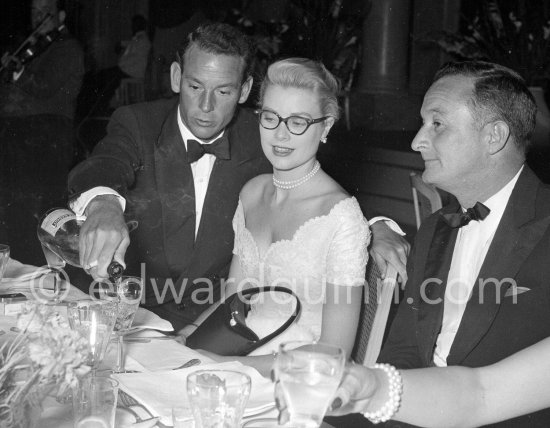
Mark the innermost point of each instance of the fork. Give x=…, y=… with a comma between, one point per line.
x=192, y=362
x=128, y=401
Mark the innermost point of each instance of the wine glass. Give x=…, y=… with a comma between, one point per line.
x=94, y=320
x=56, y=264
x=126, y=293
x=308, y=374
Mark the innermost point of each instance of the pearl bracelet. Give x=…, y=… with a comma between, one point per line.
x=390, y=407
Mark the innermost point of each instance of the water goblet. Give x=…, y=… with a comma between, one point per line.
x=218, y=397
x=126, y=293
x=94, y=320
x=308, y=375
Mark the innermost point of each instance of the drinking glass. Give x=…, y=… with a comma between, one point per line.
x=182, y=417
x=94, y=320
x=4, y=258
x=308, y=375
x=126, y=293
x=94, y=402
x=56, y=264
x=218, y=397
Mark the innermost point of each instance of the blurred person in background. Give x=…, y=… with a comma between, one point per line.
x=37, y=105
x=99, y=88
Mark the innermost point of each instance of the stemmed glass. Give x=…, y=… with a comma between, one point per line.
x=126, y=293
x=308, y=375
x=94, y=320
x=56, y=264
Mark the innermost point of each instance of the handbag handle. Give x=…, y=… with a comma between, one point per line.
x=290, y=320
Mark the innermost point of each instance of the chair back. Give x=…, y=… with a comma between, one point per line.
x=426, y=198
x=375, y=308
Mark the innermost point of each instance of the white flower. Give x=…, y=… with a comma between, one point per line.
x=45, y=353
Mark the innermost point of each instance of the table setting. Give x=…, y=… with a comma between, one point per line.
x=155, y=382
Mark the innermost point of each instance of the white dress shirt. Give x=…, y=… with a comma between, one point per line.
x=472, y=243
x=201, y=170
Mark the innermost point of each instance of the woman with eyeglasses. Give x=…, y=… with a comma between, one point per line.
x=297, y=227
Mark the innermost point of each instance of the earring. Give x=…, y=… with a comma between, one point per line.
x=324, y=140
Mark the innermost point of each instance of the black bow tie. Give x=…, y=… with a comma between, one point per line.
x=477, y=212
x=219, y=148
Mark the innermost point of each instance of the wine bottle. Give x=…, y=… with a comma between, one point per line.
x=59, y=233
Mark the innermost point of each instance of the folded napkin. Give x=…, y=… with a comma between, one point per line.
x=35, y=282
x=20, y=275
x=159, y=392
x=145, y=319
x=161, y=354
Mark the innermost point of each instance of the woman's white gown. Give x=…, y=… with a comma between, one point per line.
x=328, y=249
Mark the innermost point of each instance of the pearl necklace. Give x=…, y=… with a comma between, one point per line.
x=287, y=185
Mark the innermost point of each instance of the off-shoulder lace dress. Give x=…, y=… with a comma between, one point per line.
x=331, y=248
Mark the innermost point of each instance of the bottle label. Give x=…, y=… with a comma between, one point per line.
x=56, y=219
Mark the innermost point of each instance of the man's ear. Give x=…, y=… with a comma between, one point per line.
x=175, y=77
x=499, y=134
x=245, y=89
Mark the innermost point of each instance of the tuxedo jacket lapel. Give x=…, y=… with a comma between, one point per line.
x=226, y=180
x=518, y=232
x=434, y=277
x=176, y=193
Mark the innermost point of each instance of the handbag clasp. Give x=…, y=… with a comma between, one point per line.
x=233, y=321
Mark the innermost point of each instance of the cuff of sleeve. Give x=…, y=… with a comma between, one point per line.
x=79, y=204
x=390, y=223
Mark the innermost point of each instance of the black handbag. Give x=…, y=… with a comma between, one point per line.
x=225, y=332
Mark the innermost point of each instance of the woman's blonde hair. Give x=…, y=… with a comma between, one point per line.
x=304, y=73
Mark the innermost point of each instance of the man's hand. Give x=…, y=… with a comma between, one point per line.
x=103, y=236
x=389, y=248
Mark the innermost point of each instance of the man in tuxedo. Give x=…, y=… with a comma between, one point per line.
x=478, y=288
x=183, y=192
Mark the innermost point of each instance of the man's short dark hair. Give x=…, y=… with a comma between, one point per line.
x=499, y=94
x=222, y=39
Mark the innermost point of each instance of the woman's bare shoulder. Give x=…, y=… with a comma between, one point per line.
x=255, y=188
x=331, y=194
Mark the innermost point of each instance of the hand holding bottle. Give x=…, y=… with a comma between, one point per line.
x=104, y=236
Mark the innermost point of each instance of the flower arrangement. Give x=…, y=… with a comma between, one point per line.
x=46, y=354
x=515, y=34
